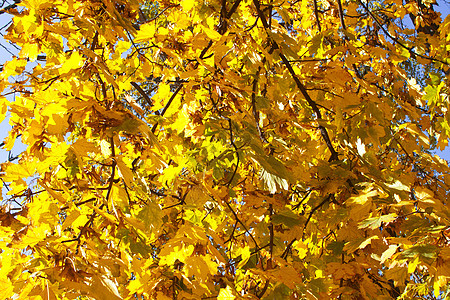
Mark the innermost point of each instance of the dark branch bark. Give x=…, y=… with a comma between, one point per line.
x=14, y=5
x=341, y=14
x=242, y=223
x=233, y=8
x=301, y=87
x=113, y=169
x=316, y=208
x=263, y=290
x=167, y=105
x=79, y=203
x=143, y=94
x=316, y=14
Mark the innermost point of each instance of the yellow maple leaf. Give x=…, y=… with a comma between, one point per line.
x=196, y=266
x=413, y=264
x=75, y=61
x=188, y=4
x=388, y=253
x=30, y=51
x=212, y=34
x=104, y=288
x=124, y=171
x=6, y=287
x=34, y=4
x=289, y=276
x=146, y=33
x=226, y=294
x=3, y=108
x=301, y=248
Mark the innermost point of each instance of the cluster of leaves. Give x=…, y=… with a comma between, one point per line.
x=234, y=149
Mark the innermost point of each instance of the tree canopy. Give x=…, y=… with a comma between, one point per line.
x=244, y=149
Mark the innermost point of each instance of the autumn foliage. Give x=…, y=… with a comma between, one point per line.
x=221, y=149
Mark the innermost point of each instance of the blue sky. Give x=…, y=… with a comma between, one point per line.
x=443, y=7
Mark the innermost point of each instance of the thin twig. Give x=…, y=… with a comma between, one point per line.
x=167, y=105
x=316, y=208
x=316, y=14
x=242, y=223
x=5, y=10
x=386, y=32
x=79, y=203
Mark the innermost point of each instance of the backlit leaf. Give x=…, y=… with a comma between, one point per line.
x=376, y=222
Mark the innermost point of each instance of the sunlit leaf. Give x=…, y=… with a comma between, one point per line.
x=224, y=150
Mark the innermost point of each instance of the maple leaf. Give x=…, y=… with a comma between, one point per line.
x=225, y=149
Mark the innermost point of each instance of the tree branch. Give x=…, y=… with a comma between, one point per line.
x=316, y=208
x=5, y=10
x=302, y=88
x=341, y=14
x=143, y=94
x=167, y=105
x=316, y=14
x=79, y=203
x=264, y=289
x=411, y=51
x=93, y=215
x=113, y=171
x=233, y=8
x=242, y=223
